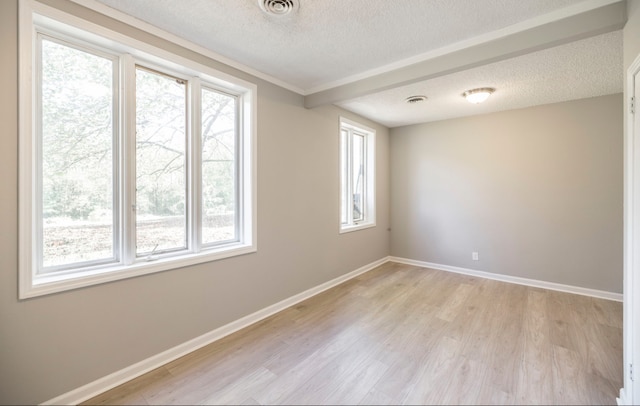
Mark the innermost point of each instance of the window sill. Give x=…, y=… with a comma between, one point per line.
x=47, y=284
x=356, y=227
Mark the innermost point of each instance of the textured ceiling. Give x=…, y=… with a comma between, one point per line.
x=327, y=43
x=586, y=68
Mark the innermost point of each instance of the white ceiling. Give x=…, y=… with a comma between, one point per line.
x=585, y=68
x=367, y=56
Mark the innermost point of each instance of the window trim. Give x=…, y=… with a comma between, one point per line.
x=35, y=17
x=370, y=177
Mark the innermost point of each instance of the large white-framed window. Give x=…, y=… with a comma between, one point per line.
x=357, y=176
x=133, y=160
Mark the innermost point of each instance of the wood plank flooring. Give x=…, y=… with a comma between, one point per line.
x=401, y=334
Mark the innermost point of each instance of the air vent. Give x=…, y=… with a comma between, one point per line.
x=415, y=99
x=278, y=7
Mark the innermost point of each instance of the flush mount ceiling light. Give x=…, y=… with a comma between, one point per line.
x=415, y=99
x=476, y=96
x=278, y=7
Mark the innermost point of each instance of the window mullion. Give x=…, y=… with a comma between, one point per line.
x=118, y=170
x=365, y=175
x=127, y=159
x=239, y=172
x=194, y=154
x=350, y=177
x=37, y=156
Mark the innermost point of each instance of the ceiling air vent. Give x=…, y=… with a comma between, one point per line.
x=278, y=7
x=415, y=99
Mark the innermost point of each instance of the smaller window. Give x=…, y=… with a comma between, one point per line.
x=357, y=176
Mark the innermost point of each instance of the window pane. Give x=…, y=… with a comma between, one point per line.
x=358, y=177
x=160, y=162
x=344, y=176
x=77, y=156
x=219, y=184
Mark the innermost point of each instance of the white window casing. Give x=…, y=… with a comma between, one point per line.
x=357, y=176
x=38, y=22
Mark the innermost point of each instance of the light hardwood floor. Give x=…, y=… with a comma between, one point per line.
x=401, y=334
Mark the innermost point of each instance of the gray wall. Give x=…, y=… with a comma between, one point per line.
x=537, y=192
x=56, y=343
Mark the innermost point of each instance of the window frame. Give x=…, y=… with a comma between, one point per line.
x=369, y=202
x=40, y=36
x=35, y=19
x=190, y=161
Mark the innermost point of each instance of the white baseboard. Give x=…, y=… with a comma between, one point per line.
x=622, y=400
x=103, y=384
x=514, y=279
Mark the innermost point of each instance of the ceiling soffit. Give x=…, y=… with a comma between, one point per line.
x=604, y=19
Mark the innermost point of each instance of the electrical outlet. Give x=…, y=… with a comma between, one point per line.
x=474, y=256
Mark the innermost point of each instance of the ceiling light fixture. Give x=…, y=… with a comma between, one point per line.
x=415, y=99
x=278, y=7
x=476, y=96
